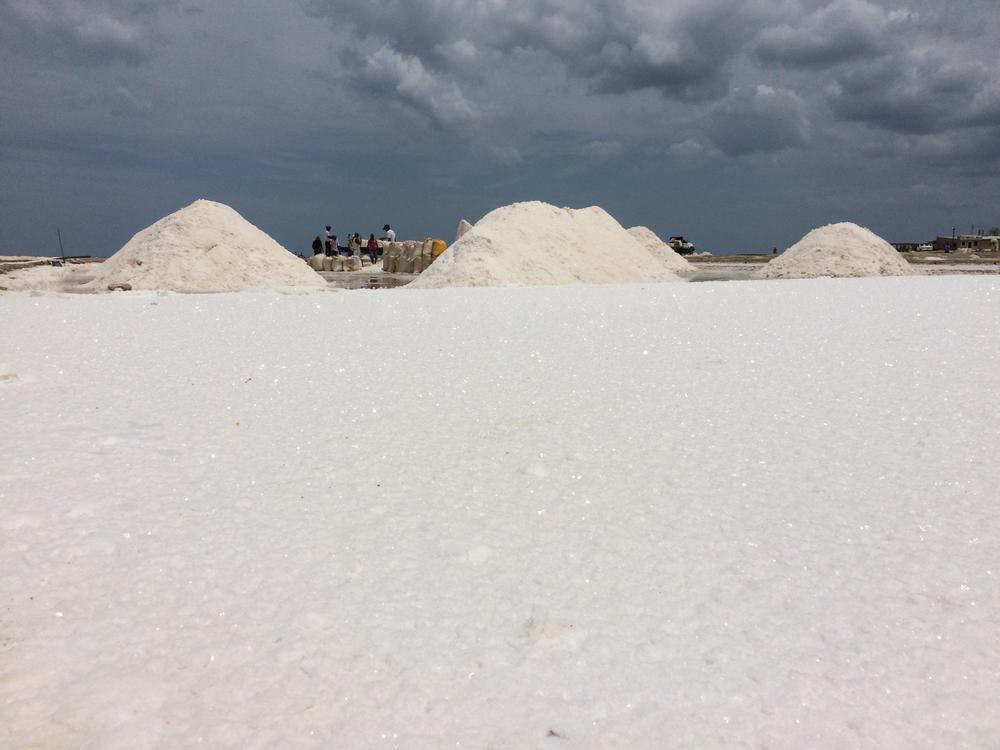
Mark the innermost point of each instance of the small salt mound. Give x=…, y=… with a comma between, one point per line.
x=534, y=243
x=205, y=247
x=843, y=249
x=660, y=249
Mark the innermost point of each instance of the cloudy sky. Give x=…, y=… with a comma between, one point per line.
x=739, y=123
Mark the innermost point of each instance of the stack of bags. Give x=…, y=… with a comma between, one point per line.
x=411, y=256
x=390, y=256
x=338, y=262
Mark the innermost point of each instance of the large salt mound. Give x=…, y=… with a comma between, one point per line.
x=660, y=249
x=843, y=249
x=534, y=243
x=205, y=247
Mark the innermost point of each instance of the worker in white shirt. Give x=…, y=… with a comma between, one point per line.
x=390, y=234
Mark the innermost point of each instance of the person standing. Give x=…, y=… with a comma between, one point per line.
x=331, y=238
x=317, y=246
x=372, y=247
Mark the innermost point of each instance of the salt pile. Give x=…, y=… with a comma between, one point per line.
x=534, y=243
x=205, y=247
x=843, y=249
x=660, y=249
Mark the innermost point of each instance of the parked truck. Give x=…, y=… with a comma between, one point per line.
x=680, y=245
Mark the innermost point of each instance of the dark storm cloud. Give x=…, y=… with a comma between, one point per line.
x=833, y=33
x=684, y=56
x=894, y=67
x=387, y=72
x=970, y=153
x=633, y=102
x=83, y=32
x=759, y=120
x=680, y=49
x=914, y=68
x=982, y=146
x=923, y=91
